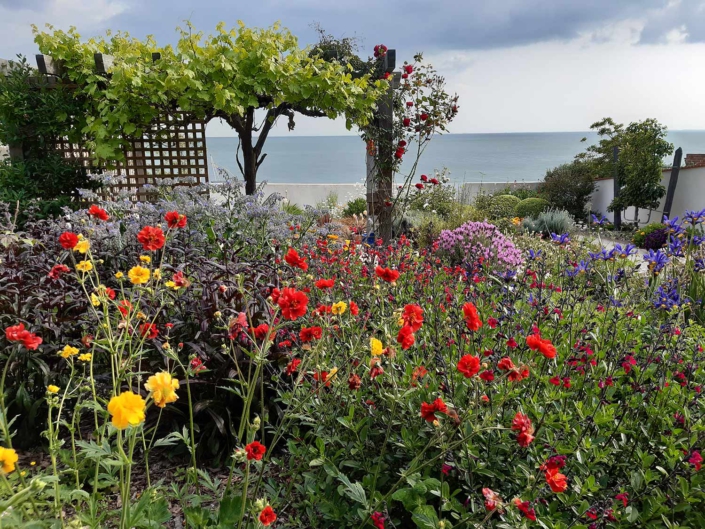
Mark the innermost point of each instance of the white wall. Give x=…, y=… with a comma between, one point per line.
x=690, y=195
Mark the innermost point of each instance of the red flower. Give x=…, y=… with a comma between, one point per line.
x=292, y=366
x=293, y=258
x=406, y=122
x=413, y=317
x=511, y=343
x=17, y=333
x=261, y=331
x=545, y=347
x=695, y=459
x=149, y=330
x=623, y=497
x=435, y=181
x=419, y=186
x=628, y=362
x=408, y=69
x=556, y=481
x=469, y=366
x=354, y=381
x=525, y=508
x=31, y=341
x=376, y=371
x=267, y=516
x=354, y=309
x=151, y=238
x=175, y=220
x=491, y=499
x=424, y=178
x=111, y=294
x=275, y=294
x=406, y=337
x=325, y=283
x=68, y=240
x=522, y=424
x=517, y=375
x=424, y=116
x=555, y=381
x=255, y=450
x=377, y=519
x=387, y=274
x=57, y=270
x=292, y=303
x=505, y=364
x=487, y=376
x=179, y=280
x=197, y=365
x=98, y=213
x=472, y=319
x=308, y=334
x=124, y=307
x=428, y=411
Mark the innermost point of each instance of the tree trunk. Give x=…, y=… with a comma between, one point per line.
x=249, y=167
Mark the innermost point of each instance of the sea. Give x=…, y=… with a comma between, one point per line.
x=503, y=157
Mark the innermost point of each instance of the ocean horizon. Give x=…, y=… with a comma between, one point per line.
x=477, y=157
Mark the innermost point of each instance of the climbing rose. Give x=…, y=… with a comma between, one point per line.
x=469, y=365
x=151, y=238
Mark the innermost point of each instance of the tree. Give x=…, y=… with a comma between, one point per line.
x=569, y=187
x=642, y=147
x=230, y=75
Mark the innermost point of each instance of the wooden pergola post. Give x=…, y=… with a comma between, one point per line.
x=380, y=177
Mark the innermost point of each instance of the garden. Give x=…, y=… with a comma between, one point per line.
x=215, y=358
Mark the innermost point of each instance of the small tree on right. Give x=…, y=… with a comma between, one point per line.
x=642, y=148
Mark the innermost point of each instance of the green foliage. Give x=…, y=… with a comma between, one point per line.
x=427, y=226
x=569, y=187
x=436, y=198
x=553, y=221
x=292, y=209
x=531, y=207
x=35, y=115
x=356, y=206
x=642, y=147
x=482, y=202
x=227, y=75
x=502, y=206
x=640, y=235
x=522, y=192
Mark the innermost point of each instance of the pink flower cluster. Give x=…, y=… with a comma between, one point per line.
x=480, y=242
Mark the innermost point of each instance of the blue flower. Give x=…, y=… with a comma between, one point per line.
x=694, y=217
x=627, y=251
x=560, y=239
x=657, y=260
x=535, y=256
x=601, y=221
x=667, y=296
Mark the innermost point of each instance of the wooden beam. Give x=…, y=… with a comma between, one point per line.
x=48, y=66
x=156, y=56
x=615, y=173
x=675, y=169
x=103, y=62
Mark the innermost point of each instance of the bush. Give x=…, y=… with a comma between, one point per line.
x=427, y=226
x=569, y=187
x=549, y=222
x=639, y=238
x=531, y=207
x=475, y=240
x=483, y=202
x=503, y=206
x=356, y=206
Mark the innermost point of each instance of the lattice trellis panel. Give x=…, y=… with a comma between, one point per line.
x=171, y=149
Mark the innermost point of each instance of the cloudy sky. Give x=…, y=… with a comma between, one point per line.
x=518, y=65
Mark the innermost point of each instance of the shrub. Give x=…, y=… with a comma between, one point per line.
x=639, y=238
x=549, y=222
x=656, y=239
x=437, y=198
x=483, y=202
x=356, y=206
x=503, y=206
x=474, y=240
x=569, y=187
x=427, y=226
x=531, y=207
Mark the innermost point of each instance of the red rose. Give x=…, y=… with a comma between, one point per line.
x=255, y=450
x=293, y=259
x=469, y=366
x=419, y=186
x=175, y=220
x=292, y=303
x=435, y=181
x=151, y=238
x=408, y=69
x=424, y=116
x=407, y=122
x=472, y=319
x=424, y=178
x=267, y=516
x=308, y=334
x=406, y=338
x=387, y=274
x=98, y=213
x=149, y=330
x=68, y=240
x=325, y=283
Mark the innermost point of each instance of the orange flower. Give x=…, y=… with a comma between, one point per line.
x=127, y=409
x=151, y=238
x=556, y=480
x=267, y=517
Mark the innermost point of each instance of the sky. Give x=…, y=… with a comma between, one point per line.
x=517, y=65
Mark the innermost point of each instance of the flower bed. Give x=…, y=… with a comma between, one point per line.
x=342, y=385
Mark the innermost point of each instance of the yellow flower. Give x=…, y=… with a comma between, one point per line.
x=516, y=221
x=68, y=351
x=8, y=458
x=82, y=246
x=138, y=275
x=119, y=275
x=127, y=409
x=145, y=259
x=141, y=316
x=32, y=463
x=163, y=388
x=84, y=266
x=332, y=373
x=157, y=274
x=333, y=237
x=85, y=357
x=53, y=389
x=339, y=308
x=94, y=300
x=171, y=284
x=376, y=347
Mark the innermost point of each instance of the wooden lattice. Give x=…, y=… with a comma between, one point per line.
x=173, y=148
